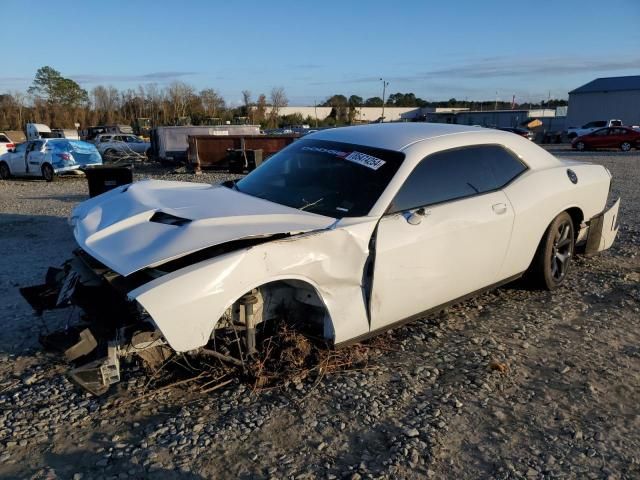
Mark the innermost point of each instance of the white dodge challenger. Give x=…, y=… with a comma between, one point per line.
x=350, y=230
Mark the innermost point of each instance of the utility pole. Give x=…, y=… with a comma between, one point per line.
x=384, y=89
x=495, y=107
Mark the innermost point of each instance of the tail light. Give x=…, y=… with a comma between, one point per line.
x=10, y=145
x=64, y=156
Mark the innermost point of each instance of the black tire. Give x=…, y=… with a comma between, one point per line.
x=581, y=146
x=625, y=146
x=553, y=257
x=47, y=173
x=5, y=173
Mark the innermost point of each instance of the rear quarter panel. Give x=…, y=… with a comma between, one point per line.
x=538, y=196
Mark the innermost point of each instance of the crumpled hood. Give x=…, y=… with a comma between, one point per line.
x=123, y=229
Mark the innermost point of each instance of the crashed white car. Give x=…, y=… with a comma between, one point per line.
x=351, y=230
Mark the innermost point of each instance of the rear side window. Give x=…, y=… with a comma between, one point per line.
x=60, y=146
x=4, y=139
x=455, y=174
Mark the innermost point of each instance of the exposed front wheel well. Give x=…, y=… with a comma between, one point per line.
x=271, y=310
x=296, y=301
x=577, y=218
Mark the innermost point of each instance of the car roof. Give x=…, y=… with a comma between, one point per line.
x=393, y=136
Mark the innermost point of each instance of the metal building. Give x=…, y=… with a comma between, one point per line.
x=487, y=118
x=605, y=99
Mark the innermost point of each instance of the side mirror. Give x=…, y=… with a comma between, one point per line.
x=415, y=217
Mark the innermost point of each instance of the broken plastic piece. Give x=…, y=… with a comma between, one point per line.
x=85, y=346
x=97, y=376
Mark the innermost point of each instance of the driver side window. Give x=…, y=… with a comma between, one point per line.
x=455, y=174
x=35, y=146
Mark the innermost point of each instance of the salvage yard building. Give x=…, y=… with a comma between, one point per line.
x=605, y=99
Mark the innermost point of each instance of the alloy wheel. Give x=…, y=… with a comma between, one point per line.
x=562, y=250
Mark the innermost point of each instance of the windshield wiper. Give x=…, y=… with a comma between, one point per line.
x=311, y=204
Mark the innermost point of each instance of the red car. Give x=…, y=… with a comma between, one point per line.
x=624, y=138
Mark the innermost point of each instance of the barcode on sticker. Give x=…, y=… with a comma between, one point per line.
x=365, y=160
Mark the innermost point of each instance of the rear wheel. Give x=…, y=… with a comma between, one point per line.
x=5, y=173
x=625, y=146
x=48, y=173
x=581, y=146
x=551, y=262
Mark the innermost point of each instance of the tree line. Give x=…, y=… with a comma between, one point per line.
x=61, y=102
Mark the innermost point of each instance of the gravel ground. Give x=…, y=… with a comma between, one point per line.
x=512, y=384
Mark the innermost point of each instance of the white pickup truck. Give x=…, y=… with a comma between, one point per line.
x=573, y=132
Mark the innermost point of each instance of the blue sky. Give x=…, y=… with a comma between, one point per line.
x=436, y=49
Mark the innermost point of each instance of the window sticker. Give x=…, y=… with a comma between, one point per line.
x=363, y=159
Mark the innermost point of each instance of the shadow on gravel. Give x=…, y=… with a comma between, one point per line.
x=90, y=464
x=30, y=244
x=64, y=178
x=74, y=198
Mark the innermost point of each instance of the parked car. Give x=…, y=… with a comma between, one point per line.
x=90, y=133
x=110, y=144
x=5, y=143
x=346, y=233
x=523, y=132
x=573, y=132
x=47, y=158
x=624, y=138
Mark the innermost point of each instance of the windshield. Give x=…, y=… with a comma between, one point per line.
x=328, y=178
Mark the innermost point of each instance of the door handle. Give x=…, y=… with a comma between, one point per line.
x=499, y=208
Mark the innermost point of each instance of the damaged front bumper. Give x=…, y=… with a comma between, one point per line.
x=111, y=327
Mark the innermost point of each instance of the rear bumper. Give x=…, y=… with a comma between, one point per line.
x=603, y=229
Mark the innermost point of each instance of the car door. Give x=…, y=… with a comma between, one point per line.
x=133, y=143
x=600, y=138
x=35, y=157
x=17, y=159
x=446, y=234
x=619, y=136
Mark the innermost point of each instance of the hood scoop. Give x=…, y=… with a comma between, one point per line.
x=155, y=222
x=168, y=219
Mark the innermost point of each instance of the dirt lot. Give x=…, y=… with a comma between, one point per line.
x=513, y=384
